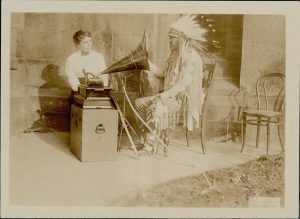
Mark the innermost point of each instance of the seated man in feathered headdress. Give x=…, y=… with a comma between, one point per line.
x=182, y=80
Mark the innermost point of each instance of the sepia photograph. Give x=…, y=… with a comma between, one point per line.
x=150, y=109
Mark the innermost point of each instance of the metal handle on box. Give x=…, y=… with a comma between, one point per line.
x=100, y=129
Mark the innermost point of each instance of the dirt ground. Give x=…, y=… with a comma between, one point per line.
x=234, y=186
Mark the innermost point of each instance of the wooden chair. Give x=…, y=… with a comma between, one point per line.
x=207, y=87
x=270, y=95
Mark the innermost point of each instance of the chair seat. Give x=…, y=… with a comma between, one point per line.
x=264, y=113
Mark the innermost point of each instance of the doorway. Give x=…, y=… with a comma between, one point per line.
x=230, y=34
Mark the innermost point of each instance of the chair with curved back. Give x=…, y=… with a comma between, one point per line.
x=207, y=86
x=270, y=96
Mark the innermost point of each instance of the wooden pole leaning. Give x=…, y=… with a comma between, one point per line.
x=123, y=121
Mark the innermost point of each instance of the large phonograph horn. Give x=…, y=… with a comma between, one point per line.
x=136, y=60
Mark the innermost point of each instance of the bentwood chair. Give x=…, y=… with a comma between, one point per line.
x=270, y=96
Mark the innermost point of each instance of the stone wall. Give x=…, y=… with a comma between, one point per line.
x=41, y=42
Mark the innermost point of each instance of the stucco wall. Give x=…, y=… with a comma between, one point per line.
x=263, y=50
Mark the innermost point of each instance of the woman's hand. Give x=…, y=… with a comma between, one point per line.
x=90, y=75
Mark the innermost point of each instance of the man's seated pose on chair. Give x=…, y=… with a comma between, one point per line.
x=182, y=81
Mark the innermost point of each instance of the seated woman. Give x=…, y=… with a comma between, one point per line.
x=85, y=60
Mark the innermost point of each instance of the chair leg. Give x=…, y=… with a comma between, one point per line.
x=280, y=139
x=166, y=141
x=268, y=135
x=258, y=131
x=202, y=136
x=244, y=126
x=187, y=137
x=227, y=131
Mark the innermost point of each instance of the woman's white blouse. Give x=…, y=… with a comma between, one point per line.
x=76, y=63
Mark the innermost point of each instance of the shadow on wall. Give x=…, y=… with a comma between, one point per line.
x=54, y=99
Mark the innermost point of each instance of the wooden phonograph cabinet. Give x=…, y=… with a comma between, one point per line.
x=94, y=127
